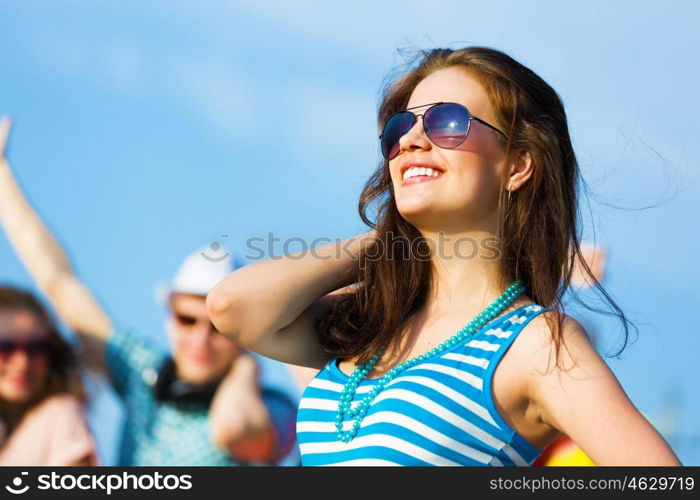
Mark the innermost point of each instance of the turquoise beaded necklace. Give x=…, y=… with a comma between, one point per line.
x=361, y=371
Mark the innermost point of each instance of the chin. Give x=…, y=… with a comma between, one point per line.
x=196, y=375
x=17, y=396
x=420, y=216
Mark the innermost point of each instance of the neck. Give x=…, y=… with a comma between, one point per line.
x=465, y=270
x=196, y=383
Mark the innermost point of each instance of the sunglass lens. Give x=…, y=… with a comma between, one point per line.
x=447, y=125
x=185, y=320
x=397, y=126
x=7, y=347
x=35, y=349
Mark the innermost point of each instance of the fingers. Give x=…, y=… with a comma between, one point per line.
x=5, y=126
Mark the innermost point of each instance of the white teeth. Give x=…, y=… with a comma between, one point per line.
x=416, y=171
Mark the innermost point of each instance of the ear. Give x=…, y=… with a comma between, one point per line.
x=521, y=169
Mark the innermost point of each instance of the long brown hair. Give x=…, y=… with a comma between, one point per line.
x=539, y=228
x=64, y=375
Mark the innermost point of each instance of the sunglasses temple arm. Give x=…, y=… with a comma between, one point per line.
x=488, y=125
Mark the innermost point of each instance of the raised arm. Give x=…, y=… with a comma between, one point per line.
x=270, y=307
x=48, y=264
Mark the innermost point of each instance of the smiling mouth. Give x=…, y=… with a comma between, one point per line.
x=200, y=358
x=414, y=175
x=19, y=381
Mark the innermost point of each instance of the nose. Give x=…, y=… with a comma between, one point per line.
x=415, y=138
x=200, y=335
x=19, y=360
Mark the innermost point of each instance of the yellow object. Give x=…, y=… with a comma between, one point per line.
x=569, y=455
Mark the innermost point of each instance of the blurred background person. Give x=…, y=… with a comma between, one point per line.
x=200, y=405
x=42, y=422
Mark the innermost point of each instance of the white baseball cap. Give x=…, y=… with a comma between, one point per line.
x=200, y=272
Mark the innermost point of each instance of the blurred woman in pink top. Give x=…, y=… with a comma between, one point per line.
x=41, y=393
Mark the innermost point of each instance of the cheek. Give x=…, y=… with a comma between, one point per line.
x=225, y=347
x=222, y=354
x=474, y=176
x=40, y=366
x=394, y=174
x=479, y=158
x=38, y=373
x=180, y=344
x=3, y=373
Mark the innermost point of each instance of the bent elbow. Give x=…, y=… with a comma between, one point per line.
x=222, y=307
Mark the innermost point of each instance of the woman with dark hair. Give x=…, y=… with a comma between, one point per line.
x=41, y=393
x=438, y=334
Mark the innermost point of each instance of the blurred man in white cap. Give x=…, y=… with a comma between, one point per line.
x=202, y=403
x=199, y=352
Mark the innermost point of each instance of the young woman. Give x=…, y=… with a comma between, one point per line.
x=438, y=334
x=41, y=395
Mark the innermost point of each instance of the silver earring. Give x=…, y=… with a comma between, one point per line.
x=509, y=191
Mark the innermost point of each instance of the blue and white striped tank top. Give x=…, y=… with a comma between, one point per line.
x=438, y=412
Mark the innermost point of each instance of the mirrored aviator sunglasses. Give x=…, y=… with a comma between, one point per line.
x=446, y=124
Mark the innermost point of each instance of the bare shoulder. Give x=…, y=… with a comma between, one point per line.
x=56, y=408
x=63, y=403
x=537, y=346
x=554, y=378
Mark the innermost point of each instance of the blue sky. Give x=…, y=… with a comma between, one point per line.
x=144, y=130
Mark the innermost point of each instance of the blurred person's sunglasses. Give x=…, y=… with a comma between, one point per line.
x=446, y=124
x=187, y=321
x=34, y=349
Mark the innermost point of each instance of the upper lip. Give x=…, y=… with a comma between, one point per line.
x=414, y=162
